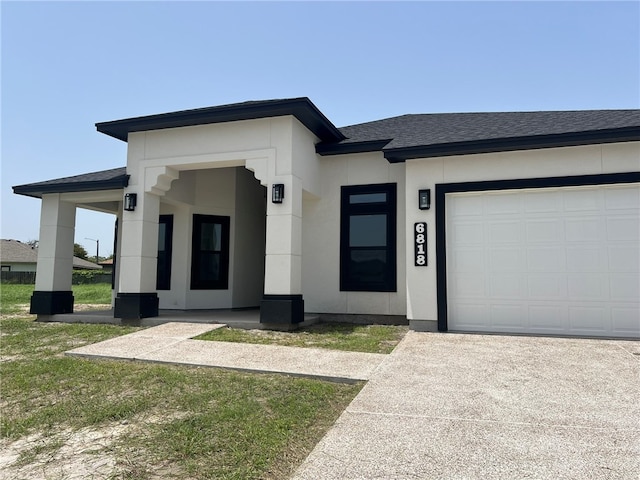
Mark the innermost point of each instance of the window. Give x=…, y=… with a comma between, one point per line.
x=165, y=236
x=6, y=268
x=368, y=238
x=210, y=254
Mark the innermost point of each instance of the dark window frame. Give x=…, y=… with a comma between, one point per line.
x=349, y=209
x=197, y=253
x=165, y=257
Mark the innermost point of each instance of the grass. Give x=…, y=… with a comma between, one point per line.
x=336, y=336
x=161, y=421
x=14, y=298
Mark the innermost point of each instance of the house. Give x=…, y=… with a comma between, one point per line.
x=107, y=265
x=16, y=256
x=518, y=222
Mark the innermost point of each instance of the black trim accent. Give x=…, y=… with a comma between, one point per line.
x=115, y=254
x=282, y=309
x=628, y=134
x=136, y=305
x=354, y=147
x=550, y=182
x=347, y=210
x=51, y=303
x=301, y=108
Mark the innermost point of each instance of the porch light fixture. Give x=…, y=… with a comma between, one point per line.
x=277, y=193
x=424, y=199
x=130, y=200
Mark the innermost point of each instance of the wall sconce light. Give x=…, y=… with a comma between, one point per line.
x=424, y=199
x=130, y=200
x=277, y=193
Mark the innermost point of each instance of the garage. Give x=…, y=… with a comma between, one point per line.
x=561, y=260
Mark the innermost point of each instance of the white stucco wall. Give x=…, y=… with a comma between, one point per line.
x=201, y=170
x=321, y=237
x=249, y=246
x=554, y=162
x=20, y=267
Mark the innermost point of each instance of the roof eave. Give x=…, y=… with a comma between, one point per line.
x=627, y=134
x=301, y=108
x=37, y=190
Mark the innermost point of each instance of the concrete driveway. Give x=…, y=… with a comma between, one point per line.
x=487, y=406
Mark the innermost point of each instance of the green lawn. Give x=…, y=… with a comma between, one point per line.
x=15, y=298
x=336, y=336
x=159, y=421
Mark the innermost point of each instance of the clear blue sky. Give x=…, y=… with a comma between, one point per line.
x=68, y=65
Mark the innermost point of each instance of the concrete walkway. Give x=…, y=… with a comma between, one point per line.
x=172, y=343
x=448, y=406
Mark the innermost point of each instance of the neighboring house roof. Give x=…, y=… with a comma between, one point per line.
x=85, y=264
x=398, y=138
x=301, y=108
x=14, y=251
x=115, y=178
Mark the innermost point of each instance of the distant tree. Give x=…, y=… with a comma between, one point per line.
x=33, y=243
x=80, y=252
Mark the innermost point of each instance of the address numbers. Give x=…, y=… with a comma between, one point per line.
x=420, y=232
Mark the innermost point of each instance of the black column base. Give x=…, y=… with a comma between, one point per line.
x=136, y=305
x=51, y=303
x=282, y=309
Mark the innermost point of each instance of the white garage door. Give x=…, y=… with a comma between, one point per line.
x=562, y=261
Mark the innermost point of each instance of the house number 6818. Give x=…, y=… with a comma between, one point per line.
x=420, y=232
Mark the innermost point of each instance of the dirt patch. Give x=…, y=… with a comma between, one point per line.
x=66, y=455
x=73, y=455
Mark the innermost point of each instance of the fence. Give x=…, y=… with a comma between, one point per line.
x=80, y=277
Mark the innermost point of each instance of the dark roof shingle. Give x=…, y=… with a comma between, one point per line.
x=431, y=134
x=114, y=178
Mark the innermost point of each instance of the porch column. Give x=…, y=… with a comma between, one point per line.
x=282, y=302
x=137, y=297
x=53, y=293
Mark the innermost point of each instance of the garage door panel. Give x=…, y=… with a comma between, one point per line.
x=468, y=233
x=544, y=231
x=623, y=229
x=586, y=229
x=473, y=316
x=505, y=260
x=548, y=318
x=588, y=320
x=540, y=202
x=625, y=287
x=623, y=258
x=582, y=201
x=548, y=260
x=508, y=317
x=587, y=286
x=552, y=287
x=469, y=260
x=625, y=198
x=585, y=258
x=497, y=204
x=505, y=232
x=507, y=286
x=625, y=319
x=470, y=286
